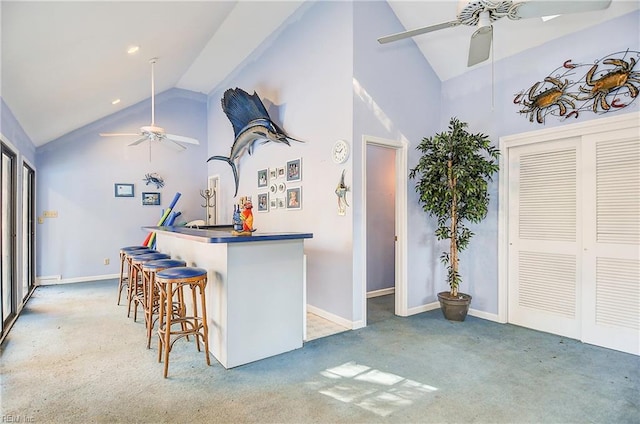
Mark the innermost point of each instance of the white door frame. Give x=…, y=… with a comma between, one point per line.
x=540, y=136
x=401, y=153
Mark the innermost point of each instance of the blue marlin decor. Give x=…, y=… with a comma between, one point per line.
x=251, y=123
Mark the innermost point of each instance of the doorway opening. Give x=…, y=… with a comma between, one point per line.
x=384, y=212
x=211, y=206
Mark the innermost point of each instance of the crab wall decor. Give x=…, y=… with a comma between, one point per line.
x=153, y=178
x=610, y=83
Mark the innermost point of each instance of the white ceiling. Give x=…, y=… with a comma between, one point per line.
x=64, y=62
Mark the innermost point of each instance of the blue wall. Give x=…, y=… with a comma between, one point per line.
x=303, y=74
x=469, y=97
x=14, y=136
x=323, y=77
x=396, y=96
x=13, y=132
x=76, y=177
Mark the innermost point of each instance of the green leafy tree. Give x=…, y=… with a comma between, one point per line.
x=453, y=176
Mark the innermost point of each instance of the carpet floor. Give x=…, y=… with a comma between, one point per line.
x=74, y=357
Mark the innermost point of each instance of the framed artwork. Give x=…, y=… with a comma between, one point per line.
x=273, y=188
x=273, y=173
x=263, y=202
x=294, y=170
x=294, y=198
x=281, y=202
x=263, y=177
x=150, y=198
x=123, y=190
x=273, y=204
x=280, y=172
x=282, y=187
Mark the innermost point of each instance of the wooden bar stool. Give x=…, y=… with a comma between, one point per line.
x=169, y=282
x=136, y=286
x=124, y=278
x=149, y=271
x=127, y=265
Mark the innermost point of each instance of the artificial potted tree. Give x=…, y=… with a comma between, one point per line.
x=453, y=176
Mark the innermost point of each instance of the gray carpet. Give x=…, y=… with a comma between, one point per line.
x=73, y=356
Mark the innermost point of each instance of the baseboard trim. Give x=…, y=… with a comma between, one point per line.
x=381, y=292
x=57, y=279
x=485, y=315
x=423, y=308
x=331, y=317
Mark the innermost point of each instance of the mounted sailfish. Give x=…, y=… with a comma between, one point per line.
x=251, y=123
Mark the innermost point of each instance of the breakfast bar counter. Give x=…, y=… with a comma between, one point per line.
x=254, y=292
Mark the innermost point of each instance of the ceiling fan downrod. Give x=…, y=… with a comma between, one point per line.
x=153, y=61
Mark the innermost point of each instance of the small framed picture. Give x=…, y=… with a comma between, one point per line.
x=273, y=173
x=281, y=202
x=280, y=172
x=263, y=177
x=294, y=198
x=282, y=187
x=294, y=170
x=150, y=198
x=273, y=188
x=123, y=190
x=273, y=204
x=263, y=202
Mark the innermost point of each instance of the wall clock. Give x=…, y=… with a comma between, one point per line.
x=340, y=151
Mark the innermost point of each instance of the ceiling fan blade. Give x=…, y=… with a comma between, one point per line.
x=538, y=8
x=182, y=139
x=118, y=134
x=135, y=143
x=172, y=144
x=480, y=46
x=417, y=31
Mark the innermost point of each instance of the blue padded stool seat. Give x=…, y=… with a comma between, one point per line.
x=149, y=270
x=163, y=263
x=137, y=292
x=170, y=282
x=147, y=257
x=130, y=248
x=182, y=272
x=123, y=281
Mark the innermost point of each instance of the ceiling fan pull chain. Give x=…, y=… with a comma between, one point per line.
x=493, y=79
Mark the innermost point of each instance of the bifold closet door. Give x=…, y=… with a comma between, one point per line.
x=544, y=240
x=611, y=241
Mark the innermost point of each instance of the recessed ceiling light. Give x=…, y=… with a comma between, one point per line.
x=115, y=102
x=548, y=18
x=133, y=49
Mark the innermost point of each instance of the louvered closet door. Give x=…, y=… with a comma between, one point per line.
x=611, y=246
x=544, y=257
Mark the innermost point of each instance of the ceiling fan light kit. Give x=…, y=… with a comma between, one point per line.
x=153, y=133
x=482, y=14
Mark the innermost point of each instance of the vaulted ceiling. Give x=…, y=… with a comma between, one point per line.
x=63, y=63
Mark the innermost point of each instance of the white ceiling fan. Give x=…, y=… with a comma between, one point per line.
x=152, y=132
x=482, y=13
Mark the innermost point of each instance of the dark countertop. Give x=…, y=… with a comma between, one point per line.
x=222, y=234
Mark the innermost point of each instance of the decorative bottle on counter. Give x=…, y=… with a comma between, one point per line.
x=237, y=219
